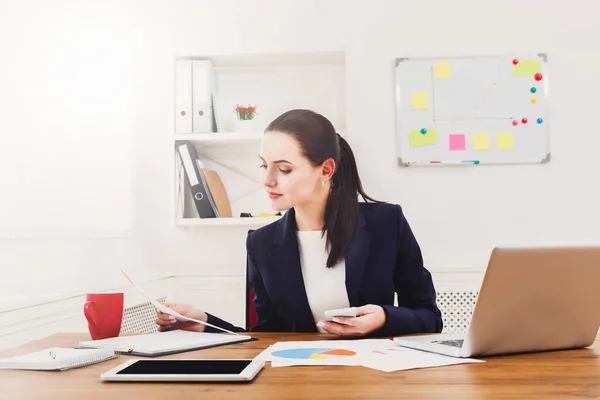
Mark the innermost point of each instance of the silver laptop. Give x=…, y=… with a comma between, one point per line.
x=531, y=299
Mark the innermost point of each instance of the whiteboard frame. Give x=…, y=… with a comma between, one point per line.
x=397, y=91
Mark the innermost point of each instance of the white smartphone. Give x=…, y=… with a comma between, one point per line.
x=340, y=312
x=184, y=370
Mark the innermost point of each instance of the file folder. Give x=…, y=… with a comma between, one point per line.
x=204, y=89
x=183, y=96
x=196, y=181
x=217, y=192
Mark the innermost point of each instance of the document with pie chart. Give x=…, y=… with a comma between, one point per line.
x=317, y=353
x=323, y=352
x=380, y=354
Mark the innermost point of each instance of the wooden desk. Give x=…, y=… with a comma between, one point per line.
x=563, y=374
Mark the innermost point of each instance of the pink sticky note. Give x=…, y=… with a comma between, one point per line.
x=457, y=142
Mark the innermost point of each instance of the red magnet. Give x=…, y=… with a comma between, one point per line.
x=524, y=120
x=515, y=123
x=515, y=61
x=538, y=77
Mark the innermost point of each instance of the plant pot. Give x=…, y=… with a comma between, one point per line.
x=245, y=126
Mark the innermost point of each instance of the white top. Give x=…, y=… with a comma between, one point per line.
x=325, y=287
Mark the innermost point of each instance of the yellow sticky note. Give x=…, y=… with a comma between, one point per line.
x=441, y=70
x=526, y=68
x=420, y=101
x=505, y=141
x=418, y=139
x=481, y=141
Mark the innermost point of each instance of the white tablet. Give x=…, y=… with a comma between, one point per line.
x=184, y=370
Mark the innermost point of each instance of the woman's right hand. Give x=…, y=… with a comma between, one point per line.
x=168, y=322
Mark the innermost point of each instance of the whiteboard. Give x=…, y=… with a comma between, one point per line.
x=472, y=110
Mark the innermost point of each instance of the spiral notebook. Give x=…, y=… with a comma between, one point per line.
x=57, y=359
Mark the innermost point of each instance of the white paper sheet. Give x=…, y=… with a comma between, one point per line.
x=398, y=358
x=380, y=354
x=167, y=310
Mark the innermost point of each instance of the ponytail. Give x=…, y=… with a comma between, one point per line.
x=341, y=210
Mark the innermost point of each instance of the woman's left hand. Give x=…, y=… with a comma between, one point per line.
x=368, y=319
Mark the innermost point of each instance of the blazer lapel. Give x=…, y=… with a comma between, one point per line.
x=285, y=264
x=356, y=260
x=284, y=260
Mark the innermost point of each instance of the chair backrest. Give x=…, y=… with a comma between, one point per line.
x=250, y=312
x=456, y=307
x=140, y=318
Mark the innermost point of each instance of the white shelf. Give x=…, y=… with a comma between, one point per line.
x=249, y=221
x=274, y=82
x=269, y=60
x=220, y=138
x=223, y=138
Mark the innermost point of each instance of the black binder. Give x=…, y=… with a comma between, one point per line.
x=197, y=184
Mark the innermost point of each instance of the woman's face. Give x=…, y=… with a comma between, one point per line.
x=288, y=177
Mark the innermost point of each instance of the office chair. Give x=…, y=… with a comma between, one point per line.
x=250, y=312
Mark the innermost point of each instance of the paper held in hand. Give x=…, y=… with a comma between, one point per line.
x=167, y=310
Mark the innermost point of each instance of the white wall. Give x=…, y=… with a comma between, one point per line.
x=24, y=324
x=458, y=214
x=90, y=86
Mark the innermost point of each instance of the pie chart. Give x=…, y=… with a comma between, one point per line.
x=313, y=353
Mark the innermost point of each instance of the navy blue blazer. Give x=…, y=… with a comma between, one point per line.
x=382, y=259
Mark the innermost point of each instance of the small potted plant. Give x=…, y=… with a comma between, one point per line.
x=245, y=117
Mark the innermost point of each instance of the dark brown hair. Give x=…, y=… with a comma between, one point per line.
x=318, y=142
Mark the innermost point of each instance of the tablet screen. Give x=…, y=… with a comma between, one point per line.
x=185, y=367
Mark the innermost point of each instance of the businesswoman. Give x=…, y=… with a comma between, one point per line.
x=329, y=250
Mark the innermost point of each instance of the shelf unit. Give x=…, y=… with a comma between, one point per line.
x=215, y=222
x=220, y=138
x=275, y=83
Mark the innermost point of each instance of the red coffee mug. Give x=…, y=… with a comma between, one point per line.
x=104, y=313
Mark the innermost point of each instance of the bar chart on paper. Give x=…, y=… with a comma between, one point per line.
x=472, y=110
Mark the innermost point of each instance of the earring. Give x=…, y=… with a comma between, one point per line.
x=323, y=183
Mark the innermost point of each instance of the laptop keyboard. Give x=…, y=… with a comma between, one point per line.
x=454, y=343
